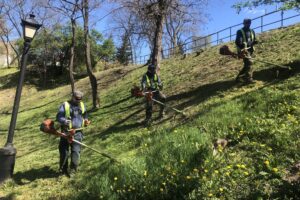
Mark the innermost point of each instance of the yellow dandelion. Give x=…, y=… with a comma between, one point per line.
x=221, y=189
x=205, y=170
x=238, y=165
x=275, y=169
x=210, y=195
x=174, y=173
x=216, y=171
x=243, y=166
x=182, y=161
x=188, y=177
x=161, y=189
x=146, y=144
x=269, y=149
x=145, y=173
x=195, y=170
x=228, y=167
x=164, y=183
x=129, y=190
x=116, y=178
x=246, y=173
x=227, y=173
x=262, y=145
x=267, y=162
x=175, y=131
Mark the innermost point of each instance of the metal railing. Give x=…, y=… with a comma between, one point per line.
x=260, y=24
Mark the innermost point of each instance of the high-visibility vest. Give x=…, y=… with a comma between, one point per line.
x=155, y=81
x=68, y=112
x=244, y=37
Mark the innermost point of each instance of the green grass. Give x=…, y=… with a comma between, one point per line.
x=172, y=159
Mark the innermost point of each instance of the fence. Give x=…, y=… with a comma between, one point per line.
x=266, y=22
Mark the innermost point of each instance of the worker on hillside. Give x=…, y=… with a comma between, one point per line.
x=71, y=115
x=151, y=86
x=245, y=39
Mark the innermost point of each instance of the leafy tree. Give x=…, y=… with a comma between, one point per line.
x=286, y=4
x=124, y=53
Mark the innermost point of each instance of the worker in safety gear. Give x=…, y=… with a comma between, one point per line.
x=245, y=40
x=151, y=86
x=71, y=115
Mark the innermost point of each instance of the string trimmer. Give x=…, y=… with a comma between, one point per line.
x=224, y=50
x=137, y=92
x=48, y=127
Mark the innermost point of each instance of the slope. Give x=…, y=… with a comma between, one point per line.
x=172, y=159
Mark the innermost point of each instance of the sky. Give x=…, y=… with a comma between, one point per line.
x=221, y=15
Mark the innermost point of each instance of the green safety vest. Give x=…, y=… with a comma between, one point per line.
x=244, y=37
x=68, y=112
x=155, y=81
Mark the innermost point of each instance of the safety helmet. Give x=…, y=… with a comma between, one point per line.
x=247, y=21
x=151, y=67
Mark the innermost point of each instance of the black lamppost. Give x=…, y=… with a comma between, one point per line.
x=8, y=152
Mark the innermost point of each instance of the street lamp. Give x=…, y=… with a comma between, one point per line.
x=8, y=152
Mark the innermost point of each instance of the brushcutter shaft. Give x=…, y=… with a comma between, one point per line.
x=99, y=152
x=176, y=110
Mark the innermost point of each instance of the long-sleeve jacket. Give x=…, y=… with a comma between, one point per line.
x=77, y=114
x=152, y=82
x=245, y=38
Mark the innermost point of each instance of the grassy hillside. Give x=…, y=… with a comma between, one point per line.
x=174, y=158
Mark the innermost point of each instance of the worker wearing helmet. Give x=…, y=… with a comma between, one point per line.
x=245, y=40
x=71, y=115
x=151, y=86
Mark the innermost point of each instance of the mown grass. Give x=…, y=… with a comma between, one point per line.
x=172, y=159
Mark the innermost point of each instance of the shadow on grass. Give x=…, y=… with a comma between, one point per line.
x=22, y=178
x=11, y=196
x=117, y=128
x=41, y=82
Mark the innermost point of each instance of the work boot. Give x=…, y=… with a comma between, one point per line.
x=64, y=172
x=250, y=81
x=238, y=80
x=161, y=115
x=147, y=122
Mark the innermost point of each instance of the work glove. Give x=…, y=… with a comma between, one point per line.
x=87, y=122
x=161, y=86
x=243, y=53
x=149, y=95
x=67, y=122
x=70, y=136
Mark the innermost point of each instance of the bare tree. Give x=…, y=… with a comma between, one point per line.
x=15, y=10
x=85, y=9
x=69, y=9
x=153, y=14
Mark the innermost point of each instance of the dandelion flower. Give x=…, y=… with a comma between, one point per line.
x=216, y=171
x=164, y=183
x=195, y=170
x=243, y=166
x=221, y=189
x=210, y=195
x=188, y=177
x=246, y=173
x=161, y=189
x=145, y=173
x=267, y=162
x=227, y=173
x=228, y=167
x=116, y=178
x=205, y=170
x=275, y=169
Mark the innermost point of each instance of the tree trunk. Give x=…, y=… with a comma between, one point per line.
x=7, y=51
x=71, y=63
x=93, y=80
x=158, y=36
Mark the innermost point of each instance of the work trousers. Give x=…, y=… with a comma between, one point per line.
x=64, y=147
x=247, y=70
x=149, y=104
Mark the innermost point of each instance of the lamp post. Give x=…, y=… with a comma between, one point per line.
x=8, y=152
